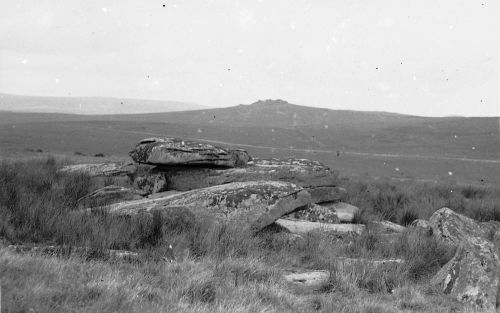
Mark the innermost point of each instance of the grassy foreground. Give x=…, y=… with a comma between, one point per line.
x=217, y=268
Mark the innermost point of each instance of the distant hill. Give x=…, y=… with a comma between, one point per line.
x=89, y=105
x=279, y=124
x=356, y=143
x=273, y=113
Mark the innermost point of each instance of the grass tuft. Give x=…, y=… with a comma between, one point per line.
x=201, y=291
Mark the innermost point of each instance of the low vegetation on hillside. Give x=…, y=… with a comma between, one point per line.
x=217, y=268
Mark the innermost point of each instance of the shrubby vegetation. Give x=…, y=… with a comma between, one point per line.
x=220, y=268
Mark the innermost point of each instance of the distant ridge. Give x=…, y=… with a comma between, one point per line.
x=262, y=125
x=90, y=105
x=275, y=113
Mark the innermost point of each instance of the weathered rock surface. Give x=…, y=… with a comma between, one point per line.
x=163, y=194
x=311, y=279
x=345, y=211
x=370, y=265
x=110, y=194
x=315, y=280
x=302, y=172
x=152, y=182
x=314, y=213
x=472, y=275
x=458, y=229
x=178, y=152
x=420, y=223
x=302, y=227
x=254, y=205
x=387, y=227
x=98, y=169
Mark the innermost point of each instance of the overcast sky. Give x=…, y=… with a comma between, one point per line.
x=425, y=57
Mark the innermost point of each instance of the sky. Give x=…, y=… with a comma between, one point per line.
x=422, y=57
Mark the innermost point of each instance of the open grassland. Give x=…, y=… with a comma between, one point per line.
x=113, y=140
x=452, y=149
x=218, y=268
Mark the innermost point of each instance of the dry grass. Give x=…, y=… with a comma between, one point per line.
x=46, y=284
x=218, y=268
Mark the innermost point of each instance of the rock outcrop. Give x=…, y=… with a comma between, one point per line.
x=472, y=275
x=314, y=213
x=302, y=227
x=98, y=169
x=110, y=194
x=178, y=152
x=253, y=205
x=387, y=227
x=302, y=172
x=422, y=224
x=311, y=280
x=345, y=212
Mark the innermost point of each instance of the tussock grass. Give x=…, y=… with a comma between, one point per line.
x=402, y=202
x=47, y=284
x=218, y=268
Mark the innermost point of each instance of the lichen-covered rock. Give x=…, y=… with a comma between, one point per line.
x=420, y=223
x=314, y=213
x=254, y=205
x=178, y=152
x=344, y=211
x=152, y=182
x=302, y=227
x=108, y=195
x=99, y=169
x=472, y=275
x=302, y=172
x=458, y=229
x=311, y=279
x=387, y=227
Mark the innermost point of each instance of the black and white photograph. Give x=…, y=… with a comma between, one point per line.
x=250, y=156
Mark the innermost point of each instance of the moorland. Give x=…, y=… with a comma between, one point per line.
x=393, y=167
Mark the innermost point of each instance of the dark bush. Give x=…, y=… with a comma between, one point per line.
x=471, y=192
x=407, y=217
x=487, y=213
x=99, y=155
x=387, y=203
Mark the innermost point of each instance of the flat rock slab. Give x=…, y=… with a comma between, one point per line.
x=348, y=264
x=110, y=194
x=303, y=172
x=254, y=205
x=178, y=152
x=387, y=227
x=314, y=213
x=302, y=227
x=98, y=169
x=310, y=279
x=315, y=280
